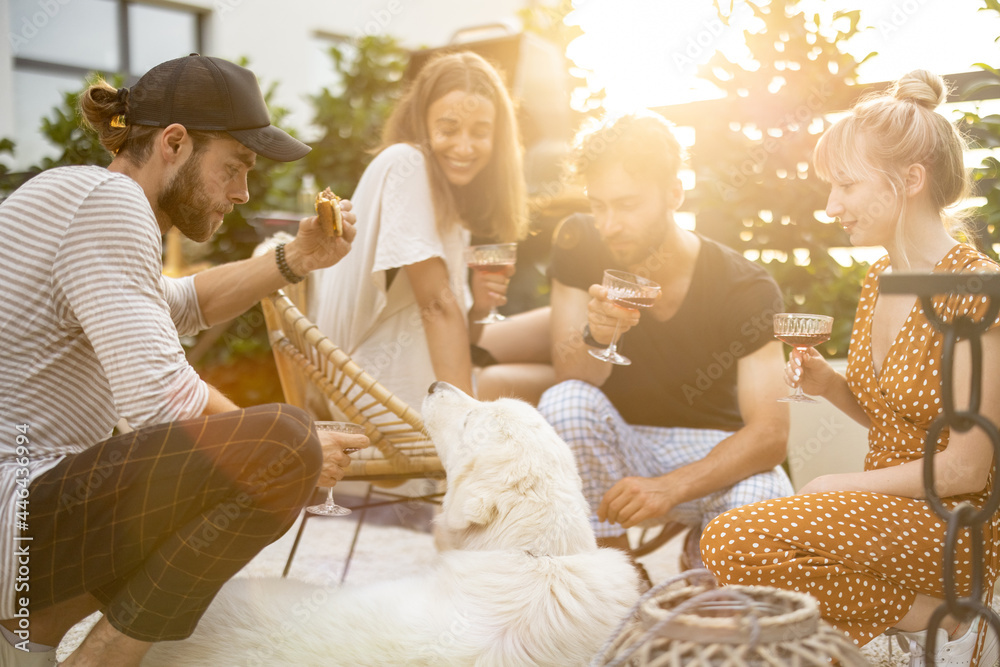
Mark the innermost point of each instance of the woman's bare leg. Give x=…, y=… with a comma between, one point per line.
x=521, y=338
x=522, y=346
x=919, y=617
x=524, y=381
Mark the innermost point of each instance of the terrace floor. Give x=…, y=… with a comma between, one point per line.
x=395, y=544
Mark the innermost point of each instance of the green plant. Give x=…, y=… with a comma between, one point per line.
x=755, y=187
x=985, y=133
x=6, y=146
x=549, y=22
x=371, y=78
x=64, y=128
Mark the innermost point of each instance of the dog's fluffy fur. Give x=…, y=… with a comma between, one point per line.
x=522, y=584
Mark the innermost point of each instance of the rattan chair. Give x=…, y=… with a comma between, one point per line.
x=321, y=378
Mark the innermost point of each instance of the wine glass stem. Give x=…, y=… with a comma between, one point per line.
x=329, y=497
x=613, y=346
x=798, y=388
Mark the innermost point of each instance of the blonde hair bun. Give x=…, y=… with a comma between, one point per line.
x=921, y=87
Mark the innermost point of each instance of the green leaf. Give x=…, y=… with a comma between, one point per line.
x=988, y=68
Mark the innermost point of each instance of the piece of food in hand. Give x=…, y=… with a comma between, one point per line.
x=328, y=210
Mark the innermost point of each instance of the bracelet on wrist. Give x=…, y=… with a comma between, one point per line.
x=588, y=338
x=286, y=271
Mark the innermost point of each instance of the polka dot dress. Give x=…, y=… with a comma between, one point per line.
x=865, y=556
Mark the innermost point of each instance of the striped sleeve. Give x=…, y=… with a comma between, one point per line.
x=106, y=279
x=185, y=310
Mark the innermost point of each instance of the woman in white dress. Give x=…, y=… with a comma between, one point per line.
x=449, y=170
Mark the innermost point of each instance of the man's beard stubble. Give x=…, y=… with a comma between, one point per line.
x=184, y=201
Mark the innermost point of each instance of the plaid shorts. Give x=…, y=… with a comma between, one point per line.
x=152, y=523
x=608, y=449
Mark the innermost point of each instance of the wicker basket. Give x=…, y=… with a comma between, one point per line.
x=687, y=621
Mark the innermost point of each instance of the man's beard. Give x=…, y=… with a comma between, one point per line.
x=647, y=246
x=184, y=201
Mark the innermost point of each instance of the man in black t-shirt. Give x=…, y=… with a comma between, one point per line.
x=692, y=428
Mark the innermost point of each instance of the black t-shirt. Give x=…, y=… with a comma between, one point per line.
x=683, y=371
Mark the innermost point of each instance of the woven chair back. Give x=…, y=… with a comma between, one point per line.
x=320, y=377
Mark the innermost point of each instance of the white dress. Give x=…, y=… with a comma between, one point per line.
x=382, y=328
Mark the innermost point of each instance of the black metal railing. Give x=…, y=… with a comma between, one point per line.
x=963, y=516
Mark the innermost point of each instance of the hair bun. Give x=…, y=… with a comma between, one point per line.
x=921, y=87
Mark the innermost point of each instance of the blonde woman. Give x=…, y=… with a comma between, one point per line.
x=867, y=545
x=448, y=171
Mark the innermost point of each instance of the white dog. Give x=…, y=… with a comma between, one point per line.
x=523, y=584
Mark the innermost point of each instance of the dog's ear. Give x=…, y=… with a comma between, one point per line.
x=471, y=502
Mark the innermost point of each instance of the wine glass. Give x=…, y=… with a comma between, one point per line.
x=628, y=291
x=801, y=332
x=330, y=508
x=491, y=258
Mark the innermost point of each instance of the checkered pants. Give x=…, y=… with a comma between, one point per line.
x=153, y=523
x=608, y=449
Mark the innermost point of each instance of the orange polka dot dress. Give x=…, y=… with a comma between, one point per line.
x=863, y=555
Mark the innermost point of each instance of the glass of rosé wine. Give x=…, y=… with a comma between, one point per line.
x=491, y=258
x=329, y=507
x=801, y=332
x=628, y=291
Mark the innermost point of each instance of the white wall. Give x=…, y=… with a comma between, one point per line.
x=823, y=440
x=6, y=76
x=280, y=38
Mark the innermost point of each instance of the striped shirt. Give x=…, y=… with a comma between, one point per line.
x=88, y=332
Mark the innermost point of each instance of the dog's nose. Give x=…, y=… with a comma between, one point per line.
x=439, y=386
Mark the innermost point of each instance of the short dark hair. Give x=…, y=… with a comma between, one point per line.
x=643, y=143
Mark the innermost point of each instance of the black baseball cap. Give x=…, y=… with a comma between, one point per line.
x=211, y=94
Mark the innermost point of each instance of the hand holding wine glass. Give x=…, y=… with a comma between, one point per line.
x=802, y=331
x=341, y=438
x=630, y=291
x=495, y=258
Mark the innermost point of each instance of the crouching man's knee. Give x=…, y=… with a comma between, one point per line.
x=290, y=456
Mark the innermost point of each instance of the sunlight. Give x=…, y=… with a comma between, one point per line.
x=645, y=53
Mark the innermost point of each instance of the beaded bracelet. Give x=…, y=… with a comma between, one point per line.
x=286, y=271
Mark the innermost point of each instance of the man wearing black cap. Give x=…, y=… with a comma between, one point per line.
x=146, y=526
